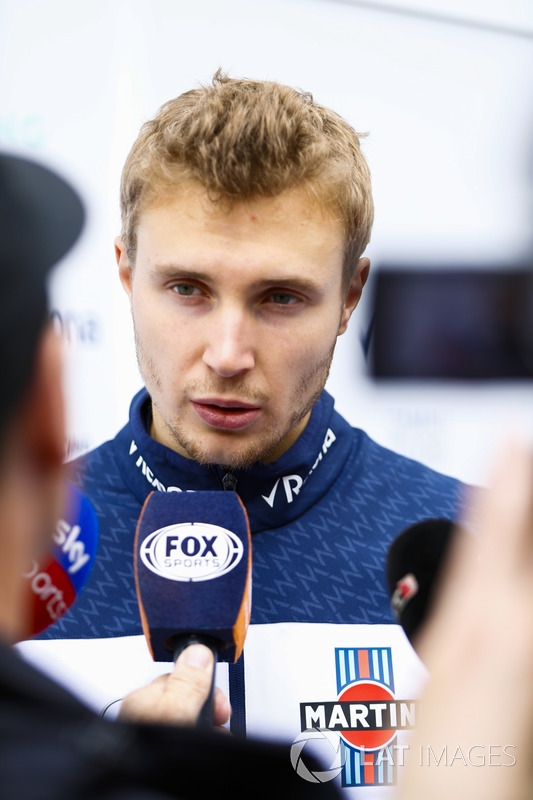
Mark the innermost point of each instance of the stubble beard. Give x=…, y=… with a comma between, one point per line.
x=236, y=455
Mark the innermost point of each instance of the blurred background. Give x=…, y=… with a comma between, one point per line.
x=444, y=90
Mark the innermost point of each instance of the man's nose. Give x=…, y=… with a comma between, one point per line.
x=230, y=350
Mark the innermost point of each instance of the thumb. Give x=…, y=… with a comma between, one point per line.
x=192, y=674
x=192, y=677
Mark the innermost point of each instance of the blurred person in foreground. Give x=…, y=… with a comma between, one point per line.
x=52, y=746
x=475, y=733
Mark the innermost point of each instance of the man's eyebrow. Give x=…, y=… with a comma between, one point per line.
x=291, y=282
x=287, y=280
x=178, y=270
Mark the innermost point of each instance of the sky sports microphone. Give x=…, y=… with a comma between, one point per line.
x=57, y=578
x=414, y=562
x=192, y=560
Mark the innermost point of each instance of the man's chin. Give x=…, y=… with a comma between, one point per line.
x=233, y=455
x=228, y=460
x=239, y=451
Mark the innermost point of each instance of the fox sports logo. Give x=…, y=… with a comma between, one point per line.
x=191, y=551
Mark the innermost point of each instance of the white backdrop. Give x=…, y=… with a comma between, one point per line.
x=443, y=88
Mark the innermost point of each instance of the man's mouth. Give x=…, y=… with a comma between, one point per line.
x=230, y=415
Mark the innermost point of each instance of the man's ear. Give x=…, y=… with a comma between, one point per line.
x=42, y=411
x=32, y=482
x=124, y=266
x=38, y=433
x=354, y=293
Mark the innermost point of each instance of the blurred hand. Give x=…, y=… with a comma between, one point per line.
x=177, y=698
x=478, y=647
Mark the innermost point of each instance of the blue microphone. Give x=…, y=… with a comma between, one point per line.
x=192, y=560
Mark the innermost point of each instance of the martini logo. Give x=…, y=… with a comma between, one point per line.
x=191, y=551
x=366, y=715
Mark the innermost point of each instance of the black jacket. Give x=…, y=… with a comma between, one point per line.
x=53, y=748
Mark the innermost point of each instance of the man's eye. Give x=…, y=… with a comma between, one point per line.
x=185, y=289
x=283, y=298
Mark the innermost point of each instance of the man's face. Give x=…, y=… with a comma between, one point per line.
x=236, y=316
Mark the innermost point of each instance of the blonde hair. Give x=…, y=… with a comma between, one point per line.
x=243, y=139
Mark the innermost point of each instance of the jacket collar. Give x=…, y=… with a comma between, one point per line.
x=273, y=494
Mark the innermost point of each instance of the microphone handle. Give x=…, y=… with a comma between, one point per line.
x=179, y=643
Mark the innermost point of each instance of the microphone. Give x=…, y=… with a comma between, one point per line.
x=192, y=561
x=55, y=580
x=414, y=562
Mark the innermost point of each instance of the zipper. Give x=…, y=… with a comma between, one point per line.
x=229, y=481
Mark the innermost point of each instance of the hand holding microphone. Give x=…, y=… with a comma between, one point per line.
x=179, y=697
x=54, y=581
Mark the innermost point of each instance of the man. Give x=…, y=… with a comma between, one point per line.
x=246, y=209
x=50, y=744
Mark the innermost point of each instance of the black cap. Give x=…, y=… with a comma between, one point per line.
x=41, y=217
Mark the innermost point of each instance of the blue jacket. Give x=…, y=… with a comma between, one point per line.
x=321, y=517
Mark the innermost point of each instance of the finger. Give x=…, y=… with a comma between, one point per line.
x=195, y=667
x=506, y=516
x=193, y=671
x=221, y=708
x=492, y=561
